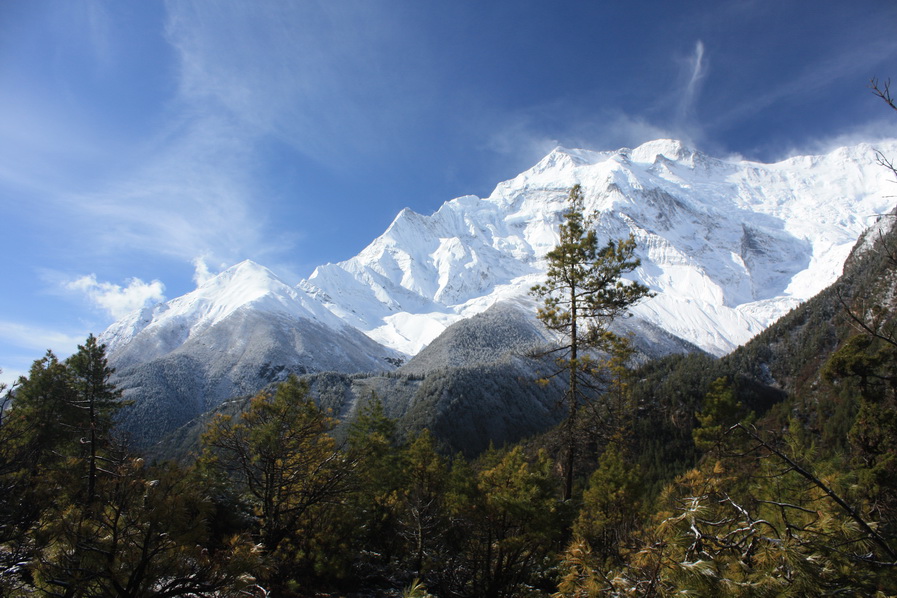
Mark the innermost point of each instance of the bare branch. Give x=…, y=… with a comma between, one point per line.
x=883, y=90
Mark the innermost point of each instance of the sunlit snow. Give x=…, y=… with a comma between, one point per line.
x=729, y=246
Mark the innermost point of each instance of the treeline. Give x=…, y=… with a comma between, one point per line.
x=687, y=483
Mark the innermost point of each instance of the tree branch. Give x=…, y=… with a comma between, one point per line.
x=851, y=512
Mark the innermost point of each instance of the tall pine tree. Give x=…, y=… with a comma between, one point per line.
x=584, y=292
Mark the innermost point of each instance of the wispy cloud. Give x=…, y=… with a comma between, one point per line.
x=115, y=299
x=22, y=343
x=532, y=132
x=100, y=25
x=311, y=76
x=527, y=136
x=874, y=131
x=190, y=188
x=815, y=78
x=191, y=197
x=321, y=77
x=695, y=72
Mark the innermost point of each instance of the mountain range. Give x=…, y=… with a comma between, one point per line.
x=727, y=245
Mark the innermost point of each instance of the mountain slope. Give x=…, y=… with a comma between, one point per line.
x=474, y=385
x=234, y=335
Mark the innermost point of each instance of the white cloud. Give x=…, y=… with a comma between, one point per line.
x=22, y=343
x=117, y=300
x=320, y=77
x=523, y=135
x=9, y=377
x=311, y=76
x=201, y=272
x=196, y=195
x=873, y=132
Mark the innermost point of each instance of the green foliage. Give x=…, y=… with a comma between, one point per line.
x=416, y=590
x=868, y=361
x=510, y=521
x=143, y=536
x=744, y=526
x=584, y=284
x=95, y=400
x=287, y=468
x=423, y=520
x=612, y=506
x=43, y=408
x=91, y=519
x=378, y=478
x=721, y=410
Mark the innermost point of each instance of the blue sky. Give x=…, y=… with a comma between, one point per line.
x=145, y=145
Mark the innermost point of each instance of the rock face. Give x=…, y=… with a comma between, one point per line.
x=727, y=245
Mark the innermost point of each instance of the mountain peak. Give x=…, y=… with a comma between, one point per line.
x=725, y=243
x=247, y=278
x=561, y=157
x=671, y=149
x=243, y=285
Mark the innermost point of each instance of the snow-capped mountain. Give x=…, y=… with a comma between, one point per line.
x=728, y=245
x=235, y=334
x=158, y=330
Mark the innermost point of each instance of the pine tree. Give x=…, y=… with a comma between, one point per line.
x=423, y=520
x=583, y=294
x=97, y=400
x=42, y=410
x=376, y=461
x=509, y=521
x=611, y=505
x=287, y=468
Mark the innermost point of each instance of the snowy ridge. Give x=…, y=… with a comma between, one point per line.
x=728, y=245
x=246, y=285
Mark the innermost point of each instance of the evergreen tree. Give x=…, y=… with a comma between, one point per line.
x=378, y=476
x=43, y=411
x=584, y=292
x=423, y=518
x=96, y=400
x=721, y=410
x=508, y=522
x=145, y=535
x=287, y=468
x=611, y=505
